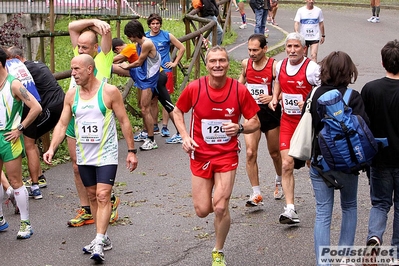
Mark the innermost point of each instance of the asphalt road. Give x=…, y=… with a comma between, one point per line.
x=157, y=225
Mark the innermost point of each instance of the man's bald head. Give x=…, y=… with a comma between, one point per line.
x=83, y=60
x=88, y=43
x=82, y=68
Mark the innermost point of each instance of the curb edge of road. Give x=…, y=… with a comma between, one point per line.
x=281, y=43
x=396, y=7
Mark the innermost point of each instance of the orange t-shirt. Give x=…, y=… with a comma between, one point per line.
x=130, y=52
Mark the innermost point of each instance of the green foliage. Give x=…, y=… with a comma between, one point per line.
x=63, y=54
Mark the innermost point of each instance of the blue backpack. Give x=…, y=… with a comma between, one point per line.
x=345, y=141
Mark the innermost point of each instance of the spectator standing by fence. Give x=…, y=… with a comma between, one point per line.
x=260, y=9
x=164, y=40
x=210, y=10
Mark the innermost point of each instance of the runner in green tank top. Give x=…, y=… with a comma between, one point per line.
x=12, y=97
x=95, y=105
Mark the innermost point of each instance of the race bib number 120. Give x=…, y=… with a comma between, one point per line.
x=212, y=131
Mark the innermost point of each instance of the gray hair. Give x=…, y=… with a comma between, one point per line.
x=214, y=49
x=295, y=36
x=15, y=51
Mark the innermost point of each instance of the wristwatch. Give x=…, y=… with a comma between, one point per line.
x=133, y=150
x=20, y=127
x=240, y=129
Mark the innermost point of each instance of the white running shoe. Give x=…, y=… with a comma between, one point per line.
x=371, y=18
x=375, y=20
x=142, y=136
x=243, y=26
x=25, y=230
x=97, y=253
x=289, y=216
x=149, y=145
x=89, y=248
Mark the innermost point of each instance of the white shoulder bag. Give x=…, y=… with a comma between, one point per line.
x=301, y=141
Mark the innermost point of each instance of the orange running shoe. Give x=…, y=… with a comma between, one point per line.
x=81, y=219
x=254, y=200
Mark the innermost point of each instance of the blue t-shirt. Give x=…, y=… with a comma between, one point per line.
x=162, y=43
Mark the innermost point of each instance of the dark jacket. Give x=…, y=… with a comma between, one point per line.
x=209, y=8
x=256, y=4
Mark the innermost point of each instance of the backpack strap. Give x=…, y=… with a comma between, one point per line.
x=310, y=99
x=347, y=95
x=327, y=176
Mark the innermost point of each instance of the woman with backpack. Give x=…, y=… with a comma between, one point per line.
x=337, y=71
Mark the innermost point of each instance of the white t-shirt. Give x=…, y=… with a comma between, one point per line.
x=310, y=22
x=312, y=71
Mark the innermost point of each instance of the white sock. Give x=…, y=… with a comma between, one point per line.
x=10, y=191
x=22, y=198
x=100, y=236
x=1, y=199
x=218, y=250
x=256, y=190
x=278, y=179
x=290, y=207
